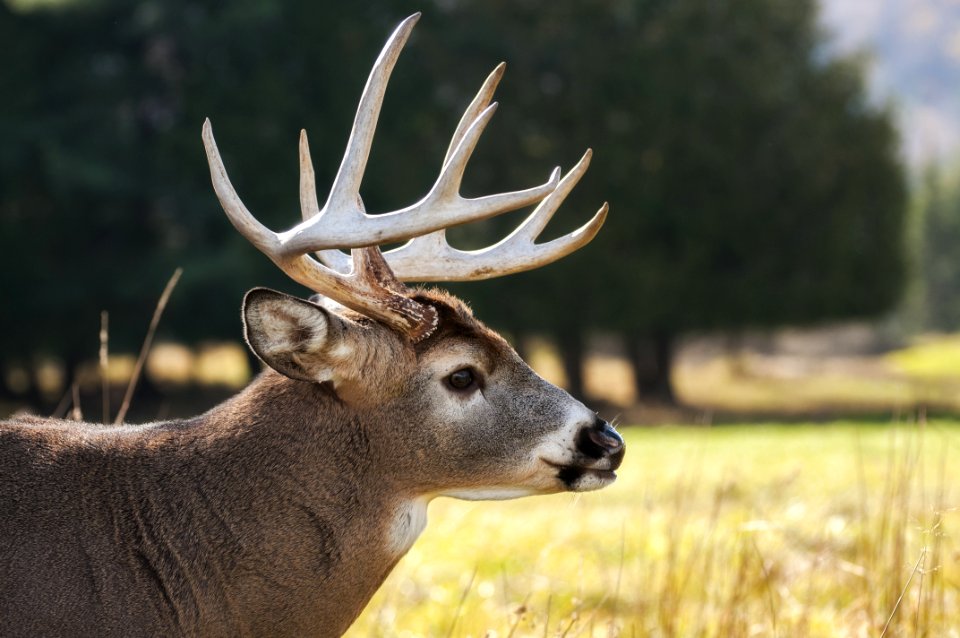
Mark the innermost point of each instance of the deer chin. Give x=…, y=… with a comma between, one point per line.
x=540, y=479
x=490, y=493
x=586, y=480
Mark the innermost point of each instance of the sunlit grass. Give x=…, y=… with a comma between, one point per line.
x=930, y=358
x=734, y=531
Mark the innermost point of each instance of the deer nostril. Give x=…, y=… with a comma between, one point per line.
x=606, y=438
x=600, y=440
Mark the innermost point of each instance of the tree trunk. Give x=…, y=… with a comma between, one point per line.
x=572, y=351
x=652, y=360
x=71, y=366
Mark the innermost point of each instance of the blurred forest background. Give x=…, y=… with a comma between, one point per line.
x=779, y=240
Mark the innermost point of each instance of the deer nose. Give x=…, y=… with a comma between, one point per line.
x=601, y=440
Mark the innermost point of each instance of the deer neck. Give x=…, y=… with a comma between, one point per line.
x=303, y=504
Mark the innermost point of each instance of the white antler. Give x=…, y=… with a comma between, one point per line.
x=364, y=281
x=431, y=258
x=343, y=222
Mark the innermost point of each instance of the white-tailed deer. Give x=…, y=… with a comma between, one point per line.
x=280, y=512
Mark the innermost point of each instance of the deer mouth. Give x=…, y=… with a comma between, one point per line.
x=582, y=478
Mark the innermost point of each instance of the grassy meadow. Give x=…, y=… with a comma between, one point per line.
x=846, y=529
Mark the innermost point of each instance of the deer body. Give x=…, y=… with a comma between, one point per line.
x=280, y=512
x=240, y=522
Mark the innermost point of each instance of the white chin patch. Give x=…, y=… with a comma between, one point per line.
x=591, y=480
x=489, y=493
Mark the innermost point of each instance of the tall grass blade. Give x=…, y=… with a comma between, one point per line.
x=76, y=413
x=147, y=342
x=104, y=357
x=903, y=592
x=463, y=599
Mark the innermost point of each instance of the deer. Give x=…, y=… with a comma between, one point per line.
x=281, y=511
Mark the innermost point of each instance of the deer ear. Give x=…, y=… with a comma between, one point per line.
x=297, y=338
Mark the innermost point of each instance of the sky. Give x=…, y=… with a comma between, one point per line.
x=914, y=52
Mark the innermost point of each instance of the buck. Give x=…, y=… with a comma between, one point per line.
x=281, y=511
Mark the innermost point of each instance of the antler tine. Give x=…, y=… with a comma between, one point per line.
x=479, y=103
x=308, y=182
x=431, y=258
x=331, y=258
x=451, y=175
x=259, y=235
x=534, y=224
x=344, y=194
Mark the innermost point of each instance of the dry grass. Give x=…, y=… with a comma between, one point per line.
x=843, y=530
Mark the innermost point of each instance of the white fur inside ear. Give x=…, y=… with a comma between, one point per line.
x=284, y=327
x=297, y=338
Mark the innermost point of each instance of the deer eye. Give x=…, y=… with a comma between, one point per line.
x=462, y=379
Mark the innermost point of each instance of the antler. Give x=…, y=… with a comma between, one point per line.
x=368, y=281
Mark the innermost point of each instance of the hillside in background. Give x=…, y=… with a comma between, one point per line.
x=914, y=60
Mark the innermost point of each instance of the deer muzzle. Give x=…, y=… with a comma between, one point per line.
x=598, y=452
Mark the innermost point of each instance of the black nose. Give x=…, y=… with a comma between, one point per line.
x=600, y=440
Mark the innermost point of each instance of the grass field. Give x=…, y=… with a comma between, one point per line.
x=846, y=529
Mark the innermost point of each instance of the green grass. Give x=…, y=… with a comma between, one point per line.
x=772, y=530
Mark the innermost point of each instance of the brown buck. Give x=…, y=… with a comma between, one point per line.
x=280, y=512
